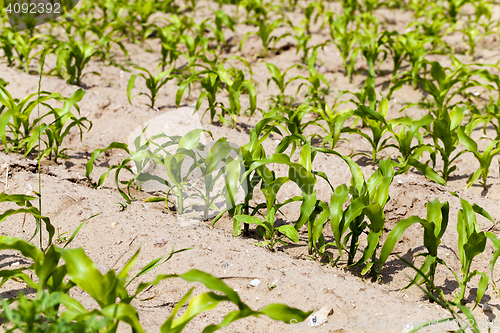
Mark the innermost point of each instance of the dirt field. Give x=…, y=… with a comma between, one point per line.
x=111, y=238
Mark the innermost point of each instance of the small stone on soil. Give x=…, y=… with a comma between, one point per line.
x=255, y=283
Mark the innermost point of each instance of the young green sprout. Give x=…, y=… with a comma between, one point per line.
x=485, y=158
x=153, y=83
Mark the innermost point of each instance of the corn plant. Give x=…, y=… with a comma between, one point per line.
x=471, y=242
x=475, y=31
x=408, y=131
x=197, y=47
x=211, y=163
x=454, y=7
x=17, y=121
x=55, y=131
x=252, y=152
x=143, y=10
x=434, y=29
x=496, y=245
x=372, y=46
x=258, y=9
x=395, y=48
x=27, y=208
x=302, y=38
x=367, y=95
x=170, y=39
x=8, y=44
x=434, y=226
x=80, y=271
x=222, y=19
x=334, y=120
x=278, y=78
x=153, y=84
x=140, y=158
x=234, y=84
x=292, y=118
x=376, y=121
x=414, y=45
x=272, y=235
x=443, y=93
x=316, y=9
x=72, y=57
x=345, y=41
x=24, y=46
x=115, y=14
x=264, y=33
x=485, y=158
x=315, y=91
x=299, y=173
x=492, y=113
x=42, y=315
x=444, y=130
x=368, y=199
x=467, y=323
x=191, y=172
x=104, y=42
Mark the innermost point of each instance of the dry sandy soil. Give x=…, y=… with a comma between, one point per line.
x=111, y=238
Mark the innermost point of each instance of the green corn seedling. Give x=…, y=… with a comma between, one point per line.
x=80, y=271
x=139, y=13
x=367, y=95
x=105, y=41
x=153, y=83
x=74, y=56
x=314, y=9
x=278, y=78
x=443, y=93
x=8, y=44
x=16, y=121
x=313, y=82
x=445, y=130
x=212, y=167
x=24, y=46
x=376, y=121
x=372, y=46
x=264, y=33
x=234, y=84
x=300, y=173
x=27, y=208
x=414, y=45
x=474, y=32
x=140, y=158
x=345, y=41
x=292, y=118
x=58, y=129
x=471, y=242
x=169, y=51
x=222, y=19
x=408, y=131
x=496, y=245
x=434, y=226
x=252, y=152
x=335, y=121
x=368, y=198
x=485, y=158
x=395, y=47
x=467, y=323
x=302, y=38
x=454, y=7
